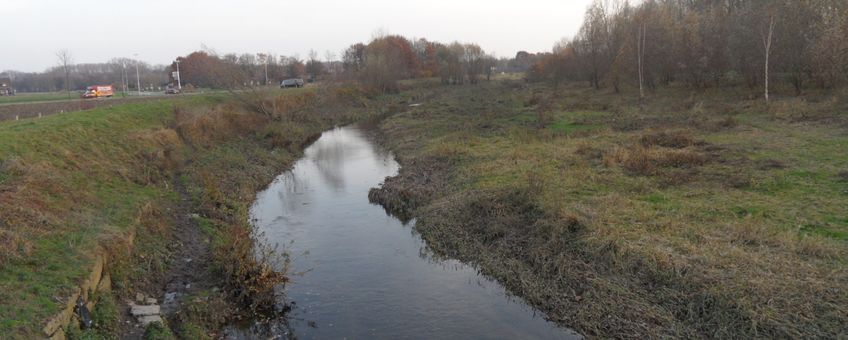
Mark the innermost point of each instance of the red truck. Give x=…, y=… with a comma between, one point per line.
x=98, y=91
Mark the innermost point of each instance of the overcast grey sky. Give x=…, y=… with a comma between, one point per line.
x=160, y=30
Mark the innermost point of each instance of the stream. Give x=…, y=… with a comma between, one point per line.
x=359, y=273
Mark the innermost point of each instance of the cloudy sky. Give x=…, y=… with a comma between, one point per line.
x=160, y=30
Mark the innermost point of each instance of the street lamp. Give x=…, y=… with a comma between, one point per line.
x=137, y=77
x=179, y=85
x=266, y=69
x=124, y=76
x=264, y=58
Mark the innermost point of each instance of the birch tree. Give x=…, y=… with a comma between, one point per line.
x=767, y=35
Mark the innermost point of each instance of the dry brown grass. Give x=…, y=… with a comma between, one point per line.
x=648, y=161
x=206, y=126
x=677, y=139
x=587, y=227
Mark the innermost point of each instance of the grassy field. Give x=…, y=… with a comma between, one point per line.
x=705, y=215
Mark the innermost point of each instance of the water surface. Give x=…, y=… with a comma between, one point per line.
x=364, y=274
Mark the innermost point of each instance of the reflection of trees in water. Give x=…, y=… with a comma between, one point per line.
x=294, y=192
x=329, y=152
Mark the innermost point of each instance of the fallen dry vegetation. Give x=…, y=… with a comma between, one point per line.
x=696, y=217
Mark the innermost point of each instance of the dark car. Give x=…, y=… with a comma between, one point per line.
x=293, y=82
x=171, y=89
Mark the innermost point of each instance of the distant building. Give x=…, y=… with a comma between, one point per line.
x=6, y=87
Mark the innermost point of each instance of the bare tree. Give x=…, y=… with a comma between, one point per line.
x=65, y=61
x=641, y=36
x=314, y=67
x=767, y=35
x=472, y=57
x=330, y=60
x=263, y=58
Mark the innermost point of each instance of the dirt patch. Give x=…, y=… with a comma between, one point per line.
x=189, y=269
x=187, y=274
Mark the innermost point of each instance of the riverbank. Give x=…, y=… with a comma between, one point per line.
x=706, y=215
x=101, y=189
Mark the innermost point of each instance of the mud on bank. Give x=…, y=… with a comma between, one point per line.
x=677, y=221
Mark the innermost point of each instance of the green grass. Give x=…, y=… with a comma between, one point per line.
x=158, y=331
x=82, y=175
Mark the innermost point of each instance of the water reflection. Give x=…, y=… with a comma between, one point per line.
x=365, y=274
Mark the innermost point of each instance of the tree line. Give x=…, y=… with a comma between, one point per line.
x=199, y=69
x=206, y=68
x=377, y=65
x=76, y=77
x=704, y=43
x=381, y=63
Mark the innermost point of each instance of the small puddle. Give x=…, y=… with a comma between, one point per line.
x=362, y=274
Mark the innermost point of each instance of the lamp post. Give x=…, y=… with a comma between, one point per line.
x=266, y=69
x=137, y=77
x=264, y=58
x=179, y=85
x=124, y=76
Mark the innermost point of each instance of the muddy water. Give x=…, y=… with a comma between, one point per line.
x=363, y=274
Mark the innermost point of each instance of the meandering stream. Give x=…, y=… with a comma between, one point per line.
x=359, y=273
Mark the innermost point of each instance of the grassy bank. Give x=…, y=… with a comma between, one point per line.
x=79, y=184
x=70, y=184
x=704, y=215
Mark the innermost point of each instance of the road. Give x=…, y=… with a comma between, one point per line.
x=11, y=111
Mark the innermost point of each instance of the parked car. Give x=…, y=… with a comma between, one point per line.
x=293, y=82
x=171, y=89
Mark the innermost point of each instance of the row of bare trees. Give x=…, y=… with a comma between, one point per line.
x=705, y=43
x=69, y=76
x=381, y=63
x=200, y=69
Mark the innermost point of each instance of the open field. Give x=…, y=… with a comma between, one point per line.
x=705, y=215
